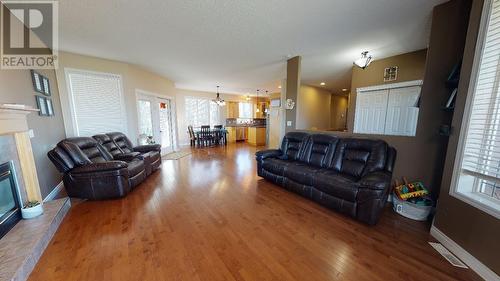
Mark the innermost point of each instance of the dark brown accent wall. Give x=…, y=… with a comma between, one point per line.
x=475, y=231
x=422, y=157
x=16, y=87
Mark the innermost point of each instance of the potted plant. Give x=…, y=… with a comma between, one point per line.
x=32, y=209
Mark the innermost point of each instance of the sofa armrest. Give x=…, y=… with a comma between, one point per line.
x=127, y=156
x=269, y=153
x=147, y=148
x=99, y=167
x=380, y=180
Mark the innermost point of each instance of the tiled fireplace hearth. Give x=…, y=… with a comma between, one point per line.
x=23, y=243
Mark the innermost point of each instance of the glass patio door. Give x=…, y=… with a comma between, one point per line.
x=156, y=119
x=165, y=128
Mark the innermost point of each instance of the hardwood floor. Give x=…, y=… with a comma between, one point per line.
x=208, y=216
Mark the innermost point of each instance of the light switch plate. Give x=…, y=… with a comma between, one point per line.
x=289, y=123
x=31, y=133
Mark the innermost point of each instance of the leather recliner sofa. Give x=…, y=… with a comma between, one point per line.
x=349, y=175
x=92, y=171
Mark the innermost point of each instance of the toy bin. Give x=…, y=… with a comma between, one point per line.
x=411, y=210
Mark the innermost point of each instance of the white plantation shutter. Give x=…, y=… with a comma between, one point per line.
x=96, y=102
x=201, y=111
x=480, y=157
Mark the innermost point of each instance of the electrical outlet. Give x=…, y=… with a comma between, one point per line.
x=289, y=123
x=31, y=133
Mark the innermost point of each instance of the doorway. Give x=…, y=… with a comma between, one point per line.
x=156, y=117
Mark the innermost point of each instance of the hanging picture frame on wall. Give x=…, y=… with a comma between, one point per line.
x=37, y=81
x=50, y=107
x=41, y=103
x=46, y=86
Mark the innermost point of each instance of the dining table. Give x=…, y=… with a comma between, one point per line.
x=214, y=132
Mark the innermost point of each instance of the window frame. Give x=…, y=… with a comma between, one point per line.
x=72, y=110
x=469, y=195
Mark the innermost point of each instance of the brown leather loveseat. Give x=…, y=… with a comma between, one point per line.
x=103, y=171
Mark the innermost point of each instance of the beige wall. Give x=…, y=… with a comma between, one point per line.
x=474, y=230
x=338, y=112
x=16, y=87
x=313, y=108
x=133, y=78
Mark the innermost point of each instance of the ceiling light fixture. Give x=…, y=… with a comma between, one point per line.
x=322, y=83
x=344, y=90
x=279, y=87
x=218, y=100
x=364, y=60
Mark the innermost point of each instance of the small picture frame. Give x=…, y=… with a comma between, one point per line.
x=37, y=82
x=391, y=73
x=41, y=103
x=46, y=86
x=50, y=107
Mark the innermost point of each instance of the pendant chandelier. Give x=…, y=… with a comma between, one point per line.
x=258, y=110
x=218, y=100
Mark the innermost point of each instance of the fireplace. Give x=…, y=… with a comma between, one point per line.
x=10, y=210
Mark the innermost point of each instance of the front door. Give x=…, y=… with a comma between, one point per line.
x=156, y=119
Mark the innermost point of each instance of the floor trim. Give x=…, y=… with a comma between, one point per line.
x=478, y=267
x=54, y=192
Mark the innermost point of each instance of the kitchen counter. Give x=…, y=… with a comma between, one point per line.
x=246, y=126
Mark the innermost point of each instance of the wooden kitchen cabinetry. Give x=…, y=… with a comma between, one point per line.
x=231, y=134
x=232, y=110
x=257, y=136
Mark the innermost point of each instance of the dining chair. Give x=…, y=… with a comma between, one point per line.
x=206, y=136
x=192, y=136
x=218, y=134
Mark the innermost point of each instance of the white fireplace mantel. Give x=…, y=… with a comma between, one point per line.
x=13, y=121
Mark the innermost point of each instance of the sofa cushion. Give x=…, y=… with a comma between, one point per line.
x=358, y=157
x=292, y=145
x=84, y=150
x=301, y=172
x=121, y=141
x=135, y=167
x=319, y=150
x=335, y=184
x=275, y=165
x=106, y=142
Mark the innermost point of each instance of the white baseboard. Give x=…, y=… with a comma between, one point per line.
x=54, y=192
x=478, y=267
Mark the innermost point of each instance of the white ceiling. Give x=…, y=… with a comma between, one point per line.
x=243, y=45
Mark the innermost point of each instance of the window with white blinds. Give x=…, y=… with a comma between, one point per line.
x=96, y=102
x=477, y=177
x=200, y=111
x=245, y=110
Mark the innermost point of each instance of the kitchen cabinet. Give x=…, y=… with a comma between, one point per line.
x=231, y=134
x=257, y=136
x=232, y=110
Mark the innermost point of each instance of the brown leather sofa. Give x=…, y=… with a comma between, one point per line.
x=93, y=171
x=350, y=175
